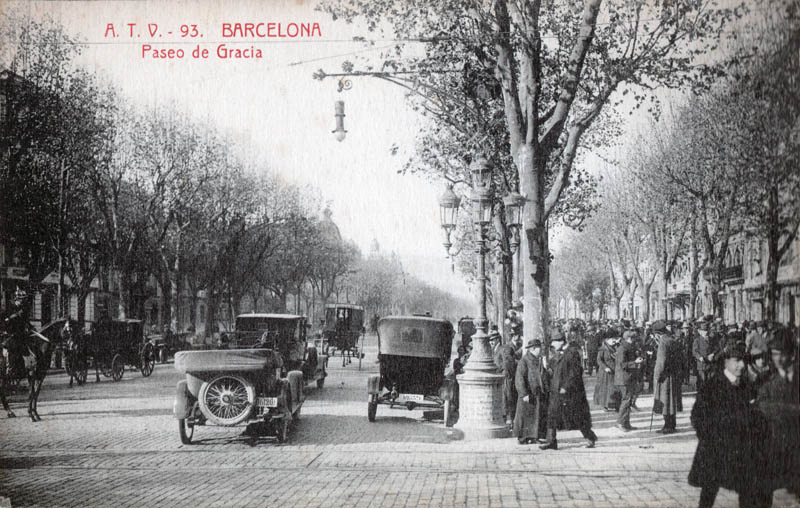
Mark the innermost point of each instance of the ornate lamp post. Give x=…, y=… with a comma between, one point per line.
x=449, y=204
x=481, y=399
x=514, y=203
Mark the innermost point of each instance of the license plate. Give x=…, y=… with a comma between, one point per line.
x=410, y=397
x=267, y=402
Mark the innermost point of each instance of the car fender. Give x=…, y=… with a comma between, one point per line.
x=296, y=382
x=182, y=406
x=373, y=384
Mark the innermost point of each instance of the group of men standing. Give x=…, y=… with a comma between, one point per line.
x=543, y=392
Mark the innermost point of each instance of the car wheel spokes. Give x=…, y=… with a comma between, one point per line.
x=227, y=398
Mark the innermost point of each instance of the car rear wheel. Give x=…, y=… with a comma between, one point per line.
x=226, y=399
x=372, y=409
x=186, y=430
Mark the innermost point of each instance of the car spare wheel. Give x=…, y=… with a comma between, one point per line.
x=226, y=399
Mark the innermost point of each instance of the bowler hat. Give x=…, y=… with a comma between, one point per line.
x=782, y=341
x=533, y=343
x=734, y=350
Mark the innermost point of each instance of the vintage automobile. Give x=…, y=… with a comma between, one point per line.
x=344, y=325
x=413, y=353
x=113, y=344
x=287, y=334
x=259, y=378
x=235, y=386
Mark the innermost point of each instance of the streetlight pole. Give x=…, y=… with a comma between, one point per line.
x=481, y=398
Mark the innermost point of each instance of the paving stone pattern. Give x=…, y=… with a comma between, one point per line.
x=116, y=444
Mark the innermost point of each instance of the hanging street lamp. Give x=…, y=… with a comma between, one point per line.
x=481, y=398
x=449, y=203
x=339, y=132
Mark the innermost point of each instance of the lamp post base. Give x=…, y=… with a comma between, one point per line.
x=480, y=413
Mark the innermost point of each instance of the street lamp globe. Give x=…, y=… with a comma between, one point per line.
x=339, y=132
x=514, y=203
x=481, y=172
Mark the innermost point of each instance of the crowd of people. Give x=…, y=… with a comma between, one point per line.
x=747, y=408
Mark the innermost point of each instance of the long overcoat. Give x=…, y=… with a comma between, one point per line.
x=668, y=375
x=529, y=421
x=604, y=389
x=729, y=433
x=568, y=411
x=506, y=362
x=779, y=400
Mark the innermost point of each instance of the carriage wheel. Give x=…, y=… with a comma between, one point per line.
x=226, y=399
x=283, y=430
x=147, y=361
x=117, y=368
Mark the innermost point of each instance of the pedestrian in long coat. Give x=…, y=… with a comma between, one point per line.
x=531, y=384
x=605, y=390
x=667, y=375
x=593, y=342
x=505, y=358
x=729, y=430
x=568, y=408
x=779, y=400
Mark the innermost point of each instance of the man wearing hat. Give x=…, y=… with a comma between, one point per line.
x=667, y=374
x=779, y=399
x=531, y=383
x=567, y=408
x=627, y=365
x=757, y=337
x=729, y=430
x=704, y=353
x=16, y=327
x=504, y=356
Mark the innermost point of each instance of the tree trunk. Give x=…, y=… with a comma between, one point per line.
x=535, y=257
x=771, y=289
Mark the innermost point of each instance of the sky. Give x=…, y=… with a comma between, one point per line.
x=274, y=109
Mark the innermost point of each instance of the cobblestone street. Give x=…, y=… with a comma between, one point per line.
x=117, y=444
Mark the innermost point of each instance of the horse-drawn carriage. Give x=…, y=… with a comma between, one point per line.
x=113, y=344
x=413, y=353
x=344, y=325
x=259, y=379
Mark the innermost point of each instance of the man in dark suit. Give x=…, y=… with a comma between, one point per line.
x=625, y=378
x=568, y=408
x=667, y=374
x=505, y=358
x=531, y=384
x=729, y=434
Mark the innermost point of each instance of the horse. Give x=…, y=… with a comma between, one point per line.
x=37, y=351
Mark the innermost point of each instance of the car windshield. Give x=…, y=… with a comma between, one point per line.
x=250, y=329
